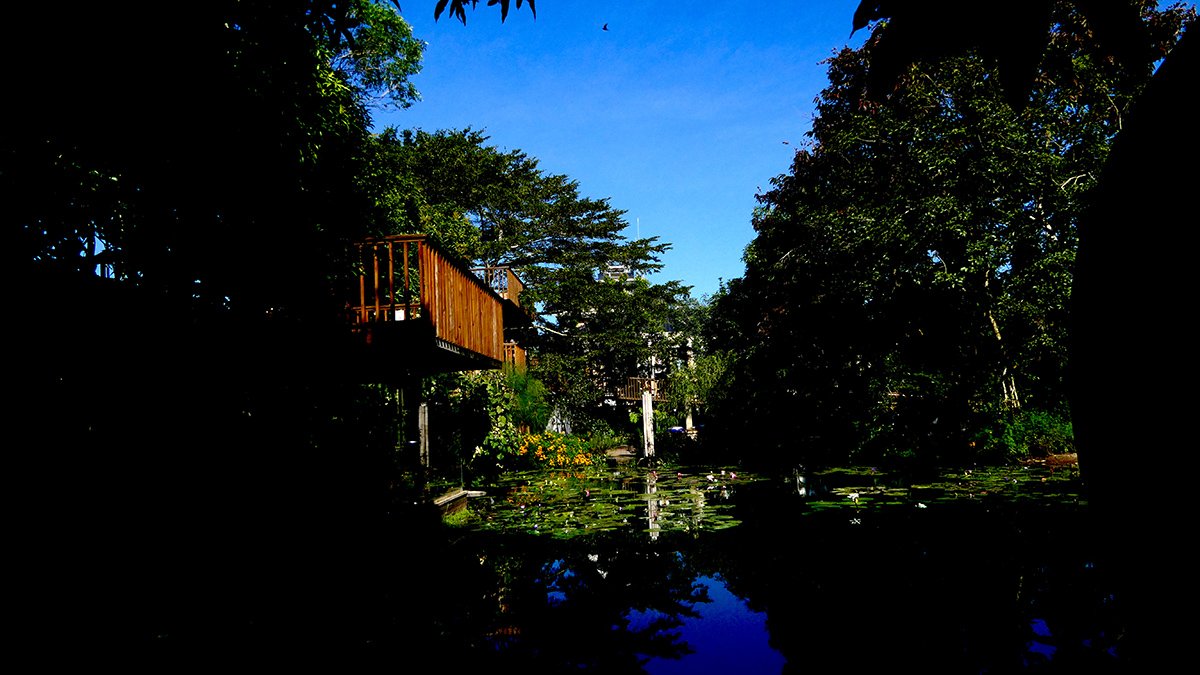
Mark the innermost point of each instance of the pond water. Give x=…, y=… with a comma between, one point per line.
x=720, y=571
x=617, y=570
x=726, y=636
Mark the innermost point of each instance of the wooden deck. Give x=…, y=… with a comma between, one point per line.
x=455, y=500
x=634, y=386
x=411, y=311
x=509, y=287
x=419, y=306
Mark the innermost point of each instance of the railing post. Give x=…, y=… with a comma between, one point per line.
x=391, y=248
x=362, y=289
x=407, y=296
x=375, y=271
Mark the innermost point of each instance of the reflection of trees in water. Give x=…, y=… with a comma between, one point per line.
x=561, y=606
x=953, y=589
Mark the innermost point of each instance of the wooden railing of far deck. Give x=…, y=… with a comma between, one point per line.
x=407, y=278
x=504, y=281
x=514, y=355
x=634, y=386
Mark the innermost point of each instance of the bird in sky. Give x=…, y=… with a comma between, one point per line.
x=605, y=27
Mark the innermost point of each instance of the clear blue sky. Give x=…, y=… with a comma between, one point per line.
x=677, y=114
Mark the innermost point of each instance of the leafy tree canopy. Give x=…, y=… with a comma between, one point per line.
x=910, y=278
x=217, y=151
x=458, y=8
x=1012, y=41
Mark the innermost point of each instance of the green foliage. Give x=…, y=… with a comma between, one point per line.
x=488, y=392
x=530, y=408
x=608, y=332
x=694, y=383
x=910, y=277
x=484, y=418
x=458, y=8
x=459, y=415
x=580, y=501
x=379, y=54
x=415, y=179
x=252, y=178
x=602, y=438
x=1028, y=434
x=460, y=517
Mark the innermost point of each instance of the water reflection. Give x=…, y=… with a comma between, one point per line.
x=662, y=573
x=653, y=504
x=726, y=636
x=567, y=606
x=977, y=581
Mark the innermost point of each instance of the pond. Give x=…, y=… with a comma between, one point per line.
x=717, y=571
x=616, y=570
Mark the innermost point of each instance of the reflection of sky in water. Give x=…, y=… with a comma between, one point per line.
x=727, y=637
x=1037, y=647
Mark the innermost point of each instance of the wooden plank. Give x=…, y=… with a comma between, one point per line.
x=450, y=496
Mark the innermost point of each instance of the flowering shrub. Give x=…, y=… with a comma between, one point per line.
x=555, y=450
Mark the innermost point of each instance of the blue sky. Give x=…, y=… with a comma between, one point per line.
x=677, y=114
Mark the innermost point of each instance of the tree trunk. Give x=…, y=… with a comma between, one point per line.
x=1008, y=380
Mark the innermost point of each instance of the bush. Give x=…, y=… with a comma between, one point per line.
x=527, y=398
x=555, y=450
x=602, y=437
x=1031, y=433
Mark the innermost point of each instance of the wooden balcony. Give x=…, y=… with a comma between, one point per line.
x=509, y=287
x=419, y=307
x=502, y=280
x=634, y=386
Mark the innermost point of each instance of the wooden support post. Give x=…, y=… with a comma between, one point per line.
x=362, y=297
x=423, y=430
x=648, y=422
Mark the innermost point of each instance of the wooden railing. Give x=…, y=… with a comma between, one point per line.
x=464, y=310
x=389, y=280
x=405, y=278
x=502, y=280
x=514, y=355
x=634, y=386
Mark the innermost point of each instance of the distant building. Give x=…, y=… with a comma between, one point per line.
x=618, y=272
